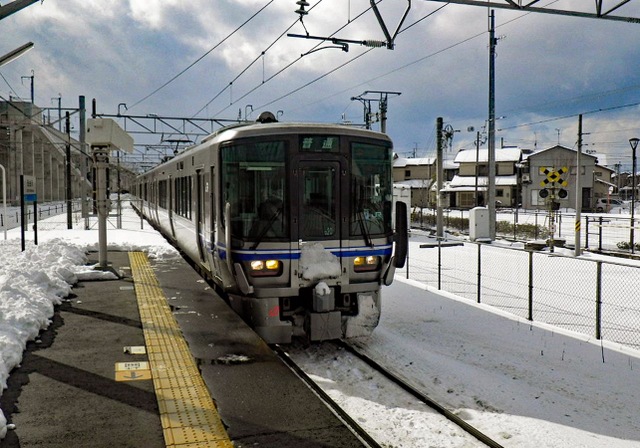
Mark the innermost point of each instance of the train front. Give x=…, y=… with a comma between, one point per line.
x=311, y=237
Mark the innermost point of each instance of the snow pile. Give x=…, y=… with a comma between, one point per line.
x=317, y=263
x=31, y=283
x=366, y=320
x=322, y=289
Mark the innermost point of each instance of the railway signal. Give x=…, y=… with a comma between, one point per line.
x=551, y=190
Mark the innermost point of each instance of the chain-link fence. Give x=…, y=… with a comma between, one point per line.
x=609, y=232
x=588, y=295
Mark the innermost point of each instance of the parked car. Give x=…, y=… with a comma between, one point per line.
x=606, y=204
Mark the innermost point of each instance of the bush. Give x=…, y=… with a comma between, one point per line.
x=624, y=245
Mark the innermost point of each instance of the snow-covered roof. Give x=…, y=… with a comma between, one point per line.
x=509, y=154
x=414, y=183
x=401, y=162
x=559, y=147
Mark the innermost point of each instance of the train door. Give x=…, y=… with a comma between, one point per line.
x=319, y=212
x=200, y=215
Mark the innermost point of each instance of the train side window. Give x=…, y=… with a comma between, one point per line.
x=183, y=196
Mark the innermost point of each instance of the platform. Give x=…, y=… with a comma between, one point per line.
x=157, y=359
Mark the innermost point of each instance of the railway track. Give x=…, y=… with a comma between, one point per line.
x=355, y=427
x=442, y=410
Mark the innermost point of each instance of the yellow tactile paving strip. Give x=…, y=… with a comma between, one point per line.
x=189, y=417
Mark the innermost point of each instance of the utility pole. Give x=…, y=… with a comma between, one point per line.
x=439, y=178
x=491, y=157
x=577, y=250
x=383, y=102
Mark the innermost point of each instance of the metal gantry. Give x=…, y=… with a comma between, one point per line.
x=175, y=133
x=603, y=9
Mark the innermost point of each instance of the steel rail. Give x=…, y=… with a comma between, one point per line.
x=337, y=410
x=422, y=397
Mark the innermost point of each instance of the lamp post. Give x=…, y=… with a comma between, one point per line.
x=634, y=144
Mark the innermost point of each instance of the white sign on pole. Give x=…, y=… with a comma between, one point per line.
x=106, y=132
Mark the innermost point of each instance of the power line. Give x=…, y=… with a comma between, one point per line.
x=10, y=86
x=562, y=117
x=313, y=48
x=326, y=73
x=364, y=82
x=203, y=56
x=403, y=66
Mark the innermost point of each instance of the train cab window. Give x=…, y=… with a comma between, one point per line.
x=253, y=182
x=371, y=189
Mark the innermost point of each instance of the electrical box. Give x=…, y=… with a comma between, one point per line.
x=106, y=132
x=479, y=224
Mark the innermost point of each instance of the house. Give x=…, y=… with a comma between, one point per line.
x=553, y=172
x=419, y=174
x=468, y=188
x=416, y=168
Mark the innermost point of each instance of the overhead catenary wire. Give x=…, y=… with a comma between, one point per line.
x=289, y=65
x=201, y=57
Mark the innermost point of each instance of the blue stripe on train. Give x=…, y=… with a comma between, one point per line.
x=295, y=254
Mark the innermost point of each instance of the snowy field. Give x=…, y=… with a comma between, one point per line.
x=526, y=384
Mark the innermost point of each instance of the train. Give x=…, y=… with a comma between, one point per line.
x=295, y=223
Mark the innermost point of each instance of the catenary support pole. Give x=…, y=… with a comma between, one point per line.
x=69, y=188
x=4, y=200
x=101, y=163
x=84, y=158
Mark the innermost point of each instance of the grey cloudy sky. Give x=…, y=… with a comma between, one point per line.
x=547, y=66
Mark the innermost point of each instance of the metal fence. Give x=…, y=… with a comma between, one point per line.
x=599, y=231
x=595, y=297
x=45, y=211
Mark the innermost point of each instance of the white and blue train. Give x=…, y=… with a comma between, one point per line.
x=292, y=221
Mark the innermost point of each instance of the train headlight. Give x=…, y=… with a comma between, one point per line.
x=368, y=263
x=262, y=268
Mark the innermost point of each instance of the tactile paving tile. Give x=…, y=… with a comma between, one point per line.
x=187, y=412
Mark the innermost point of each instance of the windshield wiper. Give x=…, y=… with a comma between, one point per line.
x=364, y=230
x=267, y=227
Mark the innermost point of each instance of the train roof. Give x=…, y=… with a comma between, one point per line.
x=271, y=128
x=252, y=129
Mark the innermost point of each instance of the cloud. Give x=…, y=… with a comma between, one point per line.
x=547, y=66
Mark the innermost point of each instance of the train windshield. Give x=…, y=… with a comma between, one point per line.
x=253, y=182
x=371, y=189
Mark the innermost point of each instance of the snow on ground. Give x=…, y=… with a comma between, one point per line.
x=528, y=385
x=525, y=385
x=33, y=281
